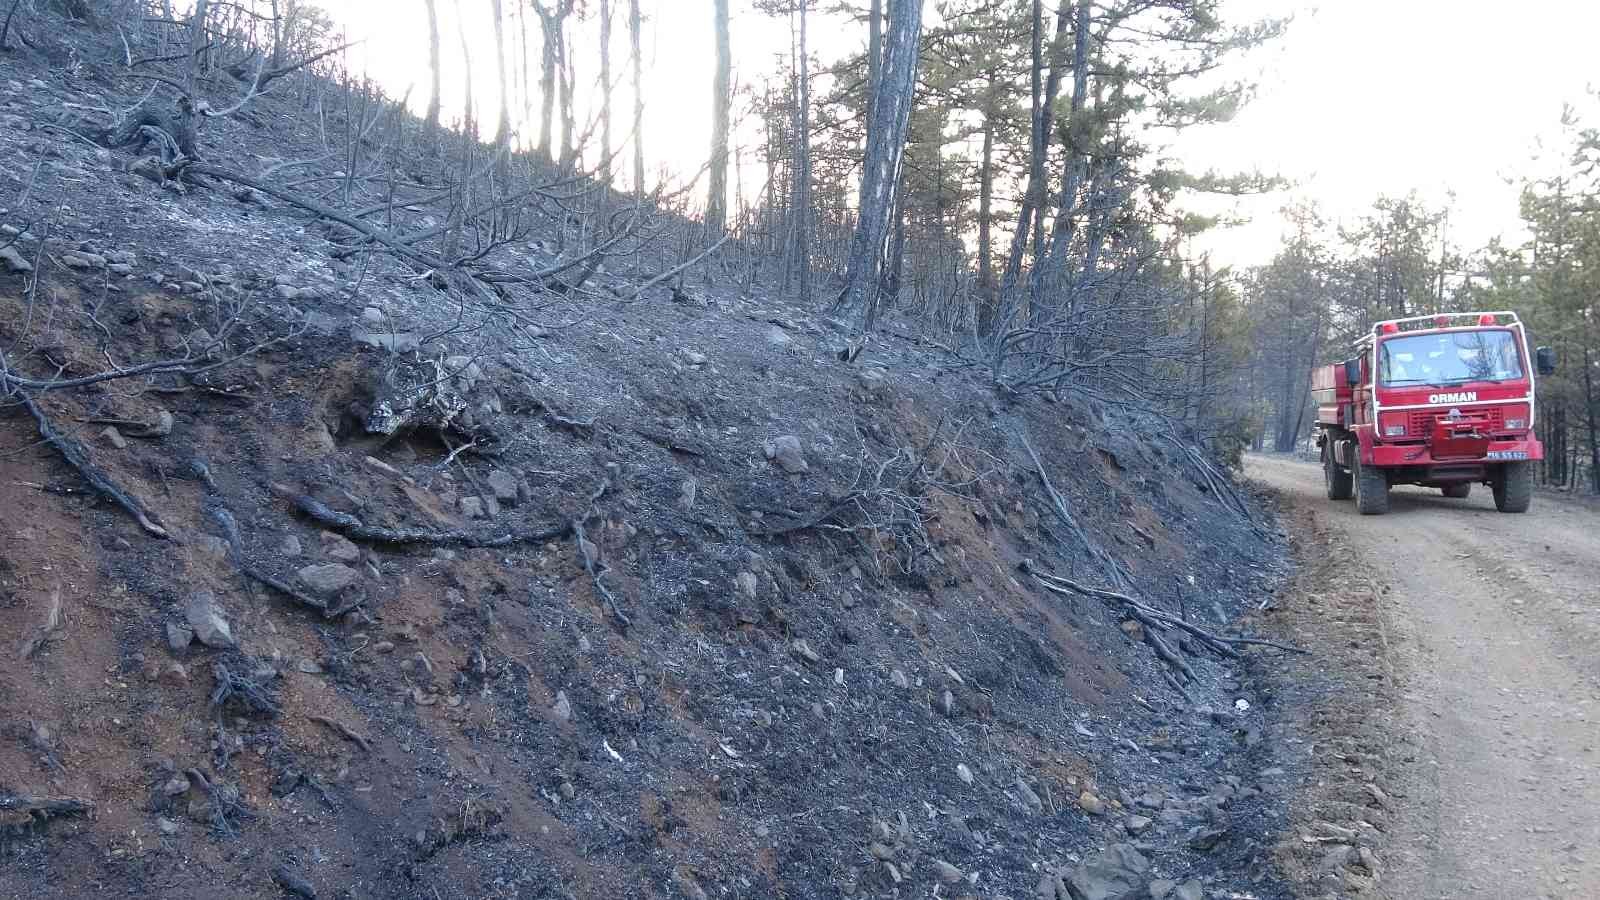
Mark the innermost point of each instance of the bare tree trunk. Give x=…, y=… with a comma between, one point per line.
x=527, y=93
x=569, y=122
x=433, y=65
x=469, y=128
x=550, y=32
x=1048, y=272
x=469, y=138
x=638, y=100
x=5, y=27
x=1589, y=410
x=874, y=53
x=1044, y=101
x=502, y=131
x=802, y=147
x=275, y=59
x=886, y=142
x=605, y=93
x=986, y=286
x=721, y=109
x=197, y=43
x=889, y=282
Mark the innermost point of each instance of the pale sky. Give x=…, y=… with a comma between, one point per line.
x=1360, y=98
x=1366, y=97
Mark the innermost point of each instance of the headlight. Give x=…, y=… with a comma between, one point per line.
x=1393, y=424
x=1516, y=417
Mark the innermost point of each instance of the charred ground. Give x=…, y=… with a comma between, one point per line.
x=733, y=665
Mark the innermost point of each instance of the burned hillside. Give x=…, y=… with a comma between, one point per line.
x=378, y=533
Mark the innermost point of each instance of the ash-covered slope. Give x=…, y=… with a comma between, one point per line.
x=477, y=588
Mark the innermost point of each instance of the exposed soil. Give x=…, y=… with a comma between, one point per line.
x=1463, y=686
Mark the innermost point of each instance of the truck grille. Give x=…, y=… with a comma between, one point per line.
x=1421, y=421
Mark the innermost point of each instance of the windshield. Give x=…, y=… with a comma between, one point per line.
x=1451, y=357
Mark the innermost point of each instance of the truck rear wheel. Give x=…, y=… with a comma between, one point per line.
x=1513, y=489
x=1372, y=490
x=1340, y=483
x=1461, y=490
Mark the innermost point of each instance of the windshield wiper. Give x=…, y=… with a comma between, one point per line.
x=1492, y=379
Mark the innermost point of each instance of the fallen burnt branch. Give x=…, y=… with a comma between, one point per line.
x=1058, y=505
x=74, y=454
x=403, y=245
x=687, y=264
x=353, y=528
x=230, y=530
x=195, y=363
x=21, y=810
x=1219, y=643
x=885, y=511
x=589, y=553
x=1215, y=481
x=242, y=688
x=327, y=212
x=344, y=731
x=226, y=807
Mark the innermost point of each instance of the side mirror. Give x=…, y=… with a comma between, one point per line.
x=1352, y=371
x=1545, y=360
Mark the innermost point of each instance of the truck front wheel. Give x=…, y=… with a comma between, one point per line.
x=1340, y=483
x=1372, y=490
x=1513, y=489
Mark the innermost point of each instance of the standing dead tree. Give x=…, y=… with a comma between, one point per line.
x=638, y=100
x=891, y=112
x=432, y=114
x=5, y=27
x=721, y=109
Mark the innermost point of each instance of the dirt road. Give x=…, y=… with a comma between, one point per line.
x=1494, y=621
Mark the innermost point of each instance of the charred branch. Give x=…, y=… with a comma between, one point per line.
x=353, y=528
x=77, y=457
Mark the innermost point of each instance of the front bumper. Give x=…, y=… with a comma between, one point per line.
x=1395, y=455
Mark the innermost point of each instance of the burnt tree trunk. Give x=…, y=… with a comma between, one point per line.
x=874, y=53
x=638, y=100
x=1048, y=272
x=986, y=285
x=569, y=121
x=433, y=65
x=1044, y=99
x=605, y=94
x=721, y=108
x=197, y=44
x=502, y=130
x=886, y=144
x=550, y=25
x=802, y=150
x=1590, y=417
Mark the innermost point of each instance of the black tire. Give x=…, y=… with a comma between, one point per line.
x=1513, y=489
x=1461, y=490
x=1372, y=490
x=1341, y=486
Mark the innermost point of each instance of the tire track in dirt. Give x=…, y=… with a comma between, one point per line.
x=1491, y=774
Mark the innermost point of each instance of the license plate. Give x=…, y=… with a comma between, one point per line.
x=1508, y=454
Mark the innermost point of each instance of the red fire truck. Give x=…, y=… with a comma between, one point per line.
x=1441, y=401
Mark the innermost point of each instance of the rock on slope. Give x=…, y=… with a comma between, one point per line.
x=665, y=601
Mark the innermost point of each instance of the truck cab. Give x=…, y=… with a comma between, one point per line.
x=1445, y=401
